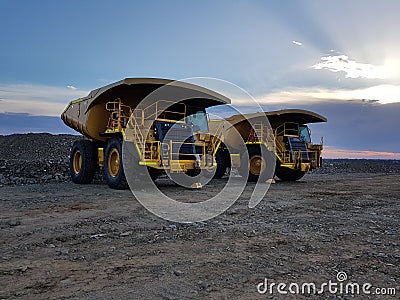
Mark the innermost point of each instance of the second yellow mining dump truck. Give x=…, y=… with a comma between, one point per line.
x=293, y=149
x=164, y=119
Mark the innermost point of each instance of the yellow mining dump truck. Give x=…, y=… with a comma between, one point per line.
x=164, y=119
x=292, y=148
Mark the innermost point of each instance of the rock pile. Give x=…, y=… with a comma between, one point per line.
x=34, y=158
x=340, y=166
x=42, y=157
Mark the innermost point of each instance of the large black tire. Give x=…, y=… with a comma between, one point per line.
x=223, y=161
x=286, y=174
x=153, y=173
x=257, y=167
x=133, y=169
x=83, y=161
x=113, y=166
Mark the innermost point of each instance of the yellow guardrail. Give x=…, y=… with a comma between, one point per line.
x=159, y=111
x=288, y=129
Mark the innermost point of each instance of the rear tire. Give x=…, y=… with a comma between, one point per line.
x=113, y=166
x=83, y=161
x=286, y=174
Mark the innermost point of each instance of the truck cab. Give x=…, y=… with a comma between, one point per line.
x=295, y=152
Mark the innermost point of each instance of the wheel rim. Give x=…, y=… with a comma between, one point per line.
x=77, y=162
x=257, y=165
x=113, y=162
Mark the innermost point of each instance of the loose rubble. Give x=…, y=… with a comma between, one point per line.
x=43, y=158
x=61, y=240
x=35, y=158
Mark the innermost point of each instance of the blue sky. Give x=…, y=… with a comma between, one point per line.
x=340, y=58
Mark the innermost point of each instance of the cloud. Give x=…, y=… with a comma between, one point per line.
x=297, y=43
x=352, y=125
x=71, y=87
x=383, y=94
x=332, y=152
x=36, y=99
x=351, y=68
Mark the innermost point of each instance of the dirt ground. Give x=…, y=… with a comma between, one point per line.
x=68, y=241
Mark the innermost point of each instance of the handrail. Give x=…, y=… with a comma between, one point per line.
x=215, y=140
x=151, y=157
x=280, y=148
x=144, y=114
x=260, y=133
x=121, y=119
x=142, y=142
x=279, y=131
x=156, y=113
x=138, y=136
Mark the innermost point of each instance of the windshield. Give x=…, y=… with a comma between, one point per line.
x=305, y=133
x=198, y=121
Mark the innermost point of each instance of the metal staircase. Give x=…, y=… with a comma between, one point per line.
x=297, y=145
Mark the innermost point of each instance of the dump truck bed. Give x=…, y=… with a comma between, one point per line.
x=89, y=116
x=279, y=117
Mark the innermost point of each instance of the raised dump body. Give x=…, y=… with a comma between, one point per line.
x=286, y=138
x=164, y=119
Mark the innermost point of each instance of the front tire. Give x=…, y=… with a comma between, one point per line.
x=286, y=174
x=258, y=167
x=222, y=159
x=83, y=161
x=113, y=166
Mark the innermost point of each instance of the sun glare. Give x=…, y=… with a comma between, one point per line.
x=383, y=94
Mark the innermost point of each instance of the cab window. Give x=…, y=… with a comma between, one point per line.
x=305, y=133
x=198, y=121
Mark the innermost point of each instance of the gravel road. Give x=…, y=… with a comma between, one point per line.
x=65, y=241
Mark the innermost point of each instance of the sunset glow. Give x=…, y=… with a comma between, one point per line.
x=331, y=152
